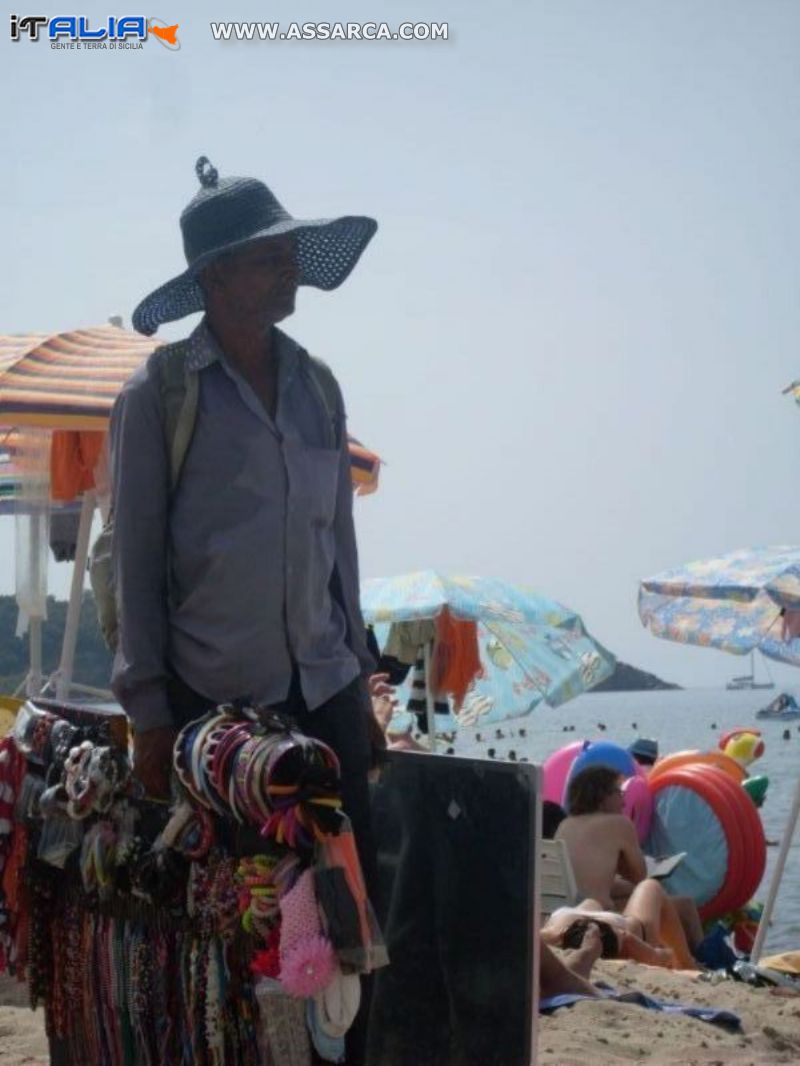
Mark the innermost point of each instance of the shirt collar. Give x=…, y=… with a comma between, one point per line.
x=203, y=350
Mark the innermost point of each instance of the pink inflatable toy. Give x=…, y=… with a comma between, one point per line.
x=638, y=803
x=556, y=768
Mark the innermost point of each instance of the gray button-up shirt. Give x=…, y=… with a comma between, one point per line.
x=258, y=535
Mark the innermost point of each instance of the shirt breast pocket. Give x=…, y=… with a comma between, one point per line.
x=313, y=483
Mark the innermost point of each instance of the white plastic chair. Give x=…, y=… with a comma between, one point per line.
x=557, y=878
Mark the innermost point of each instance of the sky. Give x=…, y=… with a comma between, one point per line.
x=569, y=336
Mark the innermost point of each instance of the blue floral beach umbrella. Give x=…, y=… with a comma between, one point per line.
x=532, y=649
x=738, y=602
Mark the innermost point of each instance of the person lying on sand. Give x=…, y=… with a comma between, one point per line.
x=642, y=933
x=603, y=849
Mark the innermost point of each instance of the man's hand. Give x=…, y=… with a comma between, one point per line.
x=379, y=686
x=375, y=729
x=383, y=699
x=404, y=742
x=152, y=760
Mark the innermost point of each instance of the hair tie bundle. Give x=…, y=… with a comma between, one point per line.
x=264, y=774
x=258, y=893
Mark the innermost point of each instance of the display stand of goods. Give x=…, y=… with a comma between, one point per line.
x=229, y=927
x=701, y=808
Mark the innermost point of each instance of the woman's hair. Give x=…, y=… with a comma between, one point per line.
x=590, y=787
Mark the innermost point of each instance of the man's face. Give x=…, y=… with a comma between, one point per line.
x=258, y=284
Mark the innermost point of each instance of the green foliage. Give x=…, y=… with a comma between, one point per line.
x=92, y=657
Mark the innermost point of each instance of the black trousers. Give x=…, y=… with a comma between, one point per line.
x=341, y=723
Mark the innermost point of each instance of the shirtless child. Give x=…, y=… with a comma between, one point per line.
x=602, y=846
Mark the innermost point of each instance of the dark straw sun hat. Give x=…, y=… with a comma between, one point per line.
x=230, y=213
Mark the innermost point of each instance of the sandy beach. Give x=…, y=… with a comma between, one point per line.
x=590, y=1032
x=607, y=1032
x=22, y=1038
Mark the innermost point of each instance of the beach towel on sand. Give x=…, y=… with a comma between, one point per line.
x=727, y=1019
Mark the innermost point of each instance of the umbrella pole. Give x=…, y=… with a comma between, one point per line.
x=430, y=707
x=34, y=682
x=777, y=874
x=33, y=685
x=64, y=675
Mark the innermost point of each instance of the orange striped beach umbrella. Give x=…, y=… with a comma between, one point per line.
x=67, y=380
x=70, y=381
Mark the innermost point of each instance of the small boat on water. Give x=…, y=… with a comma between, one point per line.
x=748, y=681
x=783, y=708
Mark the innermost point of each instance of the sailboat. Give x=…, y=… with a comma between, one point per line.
x=748, y=681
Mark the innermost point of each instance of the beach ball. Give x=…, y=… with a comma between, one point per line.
x=600, y=753
x=638, y=801
x=604, y=753
x=555, y=770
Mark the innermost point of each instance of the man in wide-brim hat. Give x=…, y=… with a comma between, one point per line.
x=645, y=751
x=234, y=565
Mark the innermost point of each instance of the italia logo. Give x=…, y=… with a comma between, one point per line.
x=79, y=29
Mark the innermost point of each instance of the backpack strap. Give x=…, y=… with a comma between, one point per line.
x=180, y=389
x=327, y=389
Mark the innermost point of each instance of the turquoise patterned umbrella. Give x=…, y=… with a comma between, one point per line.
x=738, y=602
x=532, y=649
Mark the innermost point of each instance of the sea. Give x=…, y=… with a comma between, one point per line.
x=679, y=720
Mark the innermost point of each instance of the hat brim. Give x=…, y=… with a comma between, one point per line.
x=327, y=251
